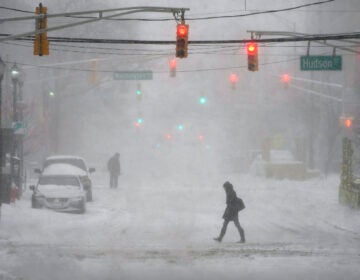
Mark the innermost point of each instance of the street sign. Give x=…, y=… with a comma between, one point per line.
x=320, y=63
x=133, y=75
x=18, y=127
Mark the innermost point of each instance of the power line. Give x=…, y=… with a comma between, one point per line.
x=157, y=72
x=264, y=12
x=197, y=18
x=304, y=38
x=201, y=46
x=16, y=10
x=200, y=49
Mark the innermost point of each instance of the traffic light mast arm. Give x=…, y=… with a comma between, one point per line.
x=299, y=35
x=100, y=12
x=100, y=17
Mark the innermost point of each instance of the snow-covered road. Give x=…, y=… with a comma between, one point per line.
x=162, y=228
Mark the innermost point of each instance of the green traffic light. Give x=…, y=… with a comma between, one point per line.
x=180, y=127
x=138, y=92
x=202, y=100
x=140, y=120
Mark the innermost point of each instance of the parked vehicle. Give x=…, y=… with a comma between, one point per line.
x=59, y=192
x=72, y=165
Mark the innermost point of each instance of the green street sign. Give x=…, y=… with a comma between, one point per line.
x=133, y=75
x=321, y=63
x=18, y=127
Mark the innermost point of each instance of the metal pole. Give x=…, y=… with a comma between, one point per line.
x=21, y=138
x=2, y=70
x=14, y=119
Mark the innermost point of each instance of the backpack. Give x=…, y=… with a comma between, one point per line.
x=239, y=204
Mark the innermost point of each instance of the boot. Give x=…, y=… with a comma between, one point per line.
x=242, y=234
x=218, y=239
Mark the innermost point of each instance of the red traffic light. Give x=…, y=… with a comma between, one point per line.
x=173, y=63
x=252, y=52
x=251, y=48
x=182, y=33
x=285, y=78
x=233, y=78
x=348, y=122
x=182, y=30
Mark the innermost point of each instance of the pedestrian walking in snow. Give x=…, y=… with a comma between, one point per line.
x=233, y=206
x=113, y=166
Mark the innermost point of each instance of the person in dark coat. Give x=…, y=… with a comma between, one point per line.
x=231, y=213
x=113, y=166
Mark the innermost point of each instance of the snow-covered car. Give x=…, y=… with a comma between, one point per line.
x=71, y=165
x=59, y=192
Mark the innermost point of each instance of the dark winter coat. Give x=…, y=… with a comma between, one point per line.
x=231, y=212
x=114, y=165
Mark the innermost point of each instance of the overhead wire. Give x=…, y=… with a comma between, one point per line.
x=200, y=18
x=213, y=50
x=159, y=72
x=15, y=10
x=199, y=49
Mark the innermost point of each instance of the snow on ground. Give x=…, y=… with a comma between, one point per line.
x=161, y=227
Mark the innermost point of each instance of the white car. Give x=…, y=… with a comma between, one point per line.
x=59, y=192
x=71, y=165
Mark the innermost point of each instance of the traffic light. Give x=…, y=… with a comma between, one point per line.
x=139, y=122
x=94, y=74
x=172, y=65
x=252, y=52
x=41, y=43
x=233, y=80
x=346, y=121
x=286, y=78
x=138, y=92
x=202, y=100
x=182, y=33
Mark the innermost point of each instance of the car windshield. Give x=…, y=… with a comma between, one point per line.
x=72, y=161
x=59, y=180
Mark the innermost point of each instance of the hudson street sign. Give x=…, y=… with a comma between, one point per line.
x=321, y=63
